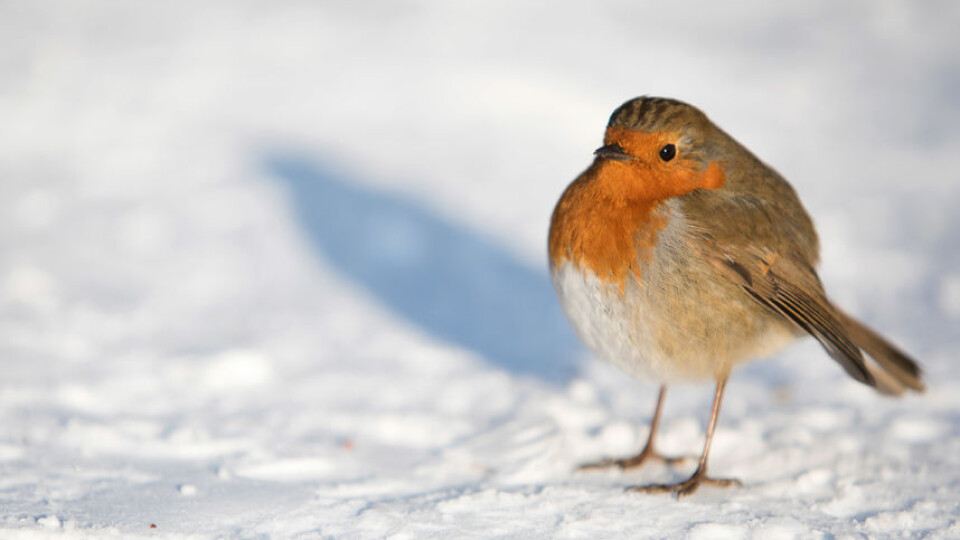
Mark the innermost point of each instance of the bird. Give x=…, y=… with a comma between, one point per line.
x=678, y=255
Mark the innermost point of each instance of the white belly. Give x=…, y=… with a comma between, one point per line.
x=663, y=338
x=611, y=324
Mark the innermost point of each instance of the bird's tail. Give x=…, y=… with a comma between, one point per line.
x=892, y=370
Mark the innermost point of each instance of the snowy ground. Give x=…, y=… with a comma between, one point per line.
x=280, y=271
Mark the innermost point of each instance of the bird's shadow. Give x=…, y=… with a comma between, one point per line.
x=450, y=280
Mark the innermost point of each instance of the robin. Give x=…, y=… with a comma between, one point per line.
x=678, y=255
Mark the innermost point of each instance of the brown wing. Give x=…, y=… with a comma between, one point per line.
x=793, y=290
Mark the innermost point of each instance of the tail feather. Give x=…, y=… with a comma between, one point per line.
x=893, y=371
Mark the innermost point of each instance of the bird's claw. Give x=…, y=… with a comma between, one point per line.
x=687, y=487
x=634, y=462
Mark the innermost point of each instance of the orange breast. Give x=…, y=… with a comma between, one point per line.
x=599, y=228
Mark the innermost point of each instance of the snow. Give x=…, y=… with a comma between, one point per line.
x=279, y=270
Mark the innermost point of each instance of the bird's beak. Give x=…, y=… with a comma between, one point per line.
x=613, y=151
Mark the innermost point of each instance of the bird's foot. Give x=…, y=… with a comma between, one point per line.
x=634, y=462
x=688, y=486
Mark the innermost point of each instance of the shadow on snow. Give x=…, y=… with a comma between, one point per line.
x=448, y=279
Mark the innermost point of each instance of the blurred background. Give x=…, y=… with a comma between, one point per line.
x=294, y=252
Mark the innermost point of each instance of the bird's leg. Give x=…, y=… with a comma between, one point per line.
x=648, y=451
x=691, y=484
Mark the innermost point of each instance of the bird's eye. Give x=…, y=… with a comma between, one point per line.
x=668, y=152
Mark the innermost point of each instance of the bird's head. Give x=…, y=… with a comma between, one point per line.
x=657, y=148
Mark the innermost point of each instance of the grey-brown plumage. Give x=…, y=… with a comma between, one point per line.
x=678, y=255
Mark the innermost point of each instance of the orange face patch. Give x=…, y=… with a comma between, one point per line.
x=609, y=218
x=655, y=179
